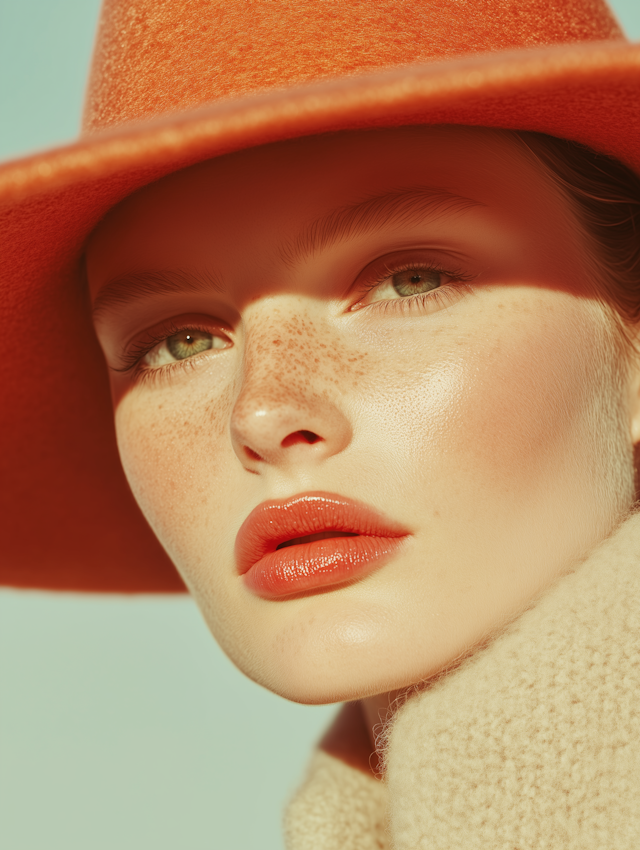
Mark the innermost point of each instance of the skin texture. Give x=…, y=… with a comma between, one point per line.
x=496, y=424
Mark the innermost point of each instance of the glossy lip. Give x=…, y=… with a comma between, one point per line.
x=307, y=566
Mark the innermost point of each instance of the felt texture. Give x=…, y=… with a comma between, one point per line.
x=533, y=743
x=175, y=56
x=69, y=519
x=337, y=808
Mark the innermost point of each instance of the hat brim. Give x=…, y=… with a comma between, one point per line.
x=70, y=520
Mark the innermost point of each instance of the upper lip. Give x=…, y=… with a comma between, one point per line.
x=272, y=523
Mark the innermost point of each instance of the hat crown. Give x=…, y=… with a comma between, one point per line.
x=153, y=57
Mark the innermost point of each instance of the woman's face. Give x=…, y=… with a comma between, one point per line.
x=399, y=318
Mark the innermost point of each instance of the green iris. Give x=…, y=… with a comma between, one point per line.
x=415, y=281
x=189, y=342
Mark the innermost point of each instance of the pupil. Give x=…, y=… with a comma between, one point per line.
x=187, y=343
x=414, y=281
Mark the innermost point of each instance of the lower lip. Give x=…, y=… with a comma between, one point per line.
x=319, y=564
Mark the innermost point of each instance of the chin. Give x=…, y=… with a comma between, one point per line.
x=307, y=692
x=323, y=679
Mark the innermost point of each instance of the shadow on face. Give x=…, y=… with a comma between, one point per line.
x=400, y=318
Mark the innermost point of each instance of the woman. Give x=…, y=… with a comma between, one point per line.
x=376, y=392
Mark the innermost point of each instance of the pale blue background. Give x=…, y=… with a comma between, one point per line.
x=122, y=725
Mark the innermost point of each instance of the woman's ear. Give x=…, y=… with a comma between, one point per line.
x=636, y=470
x=634, y=387
x=634, y=390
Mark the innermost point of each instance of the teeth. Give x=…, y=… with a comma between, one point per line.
x=321, y=535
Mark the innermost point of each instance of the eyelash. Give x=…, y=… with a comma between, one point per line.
x=424, y=302
x=131, y=360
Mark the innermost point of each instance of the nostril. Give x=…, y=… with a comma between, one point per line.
x=300, y=437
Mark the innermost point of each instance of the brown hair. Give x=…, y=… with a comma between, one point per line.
x=605, y=195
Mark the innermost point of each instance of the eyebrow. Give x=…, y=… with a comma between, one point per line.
x=401, y=207
x=137, y=286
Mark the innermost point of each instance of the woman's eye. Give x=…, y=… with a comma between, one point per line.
x=415, y=281
x=404, y=282
x=183, y=344
x=188, y=342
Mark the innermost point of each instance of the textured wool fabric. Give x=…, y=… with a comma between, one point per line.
x=337, y=808
x=176, y=82
x=533, y=743
x=235, y=49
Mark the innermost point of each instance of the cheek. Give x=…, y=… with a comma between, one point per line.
x=532, y=397
x=520, y=407
x=172, y=447
x=504, y=411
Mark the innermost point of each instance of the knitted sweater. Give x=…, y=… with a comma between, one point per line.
x=532, y=743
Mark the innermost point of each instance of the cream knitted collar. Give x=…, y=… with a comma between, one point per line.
x=532, y=744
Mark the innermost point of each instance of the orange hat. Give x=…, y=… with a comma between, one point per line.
x=175, y=82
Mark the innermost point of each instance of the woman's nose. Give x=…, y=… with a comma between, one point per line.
x=286, y=413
